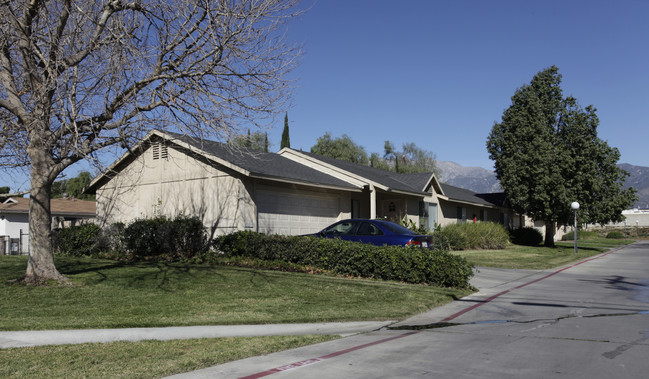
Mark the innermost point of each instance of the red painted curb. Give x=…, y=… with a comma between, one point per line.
x=322, y=358
x=449, y=318
x=486, y=301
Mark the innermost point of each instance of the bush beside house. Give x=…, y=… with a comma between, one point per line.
x=184, y=239
x=410, y=265
x=470, y=236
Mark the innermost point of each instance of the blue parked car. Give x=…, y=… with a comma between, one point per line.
x=375, y=232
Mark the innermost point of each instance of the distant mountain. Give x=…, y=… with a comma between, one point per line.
x=638, y=179
x=481, y=180
x=476, y=179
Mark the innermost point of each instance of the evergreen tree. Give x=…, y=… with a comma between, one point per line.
x=547, y=155
x=286, y=139
x=256, y=141
x=3, y=190
x=248, y=142
x=73, y=187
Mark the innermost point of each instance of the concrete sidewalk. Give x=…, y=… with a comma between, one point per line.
x=487, y=280
x=64, y=337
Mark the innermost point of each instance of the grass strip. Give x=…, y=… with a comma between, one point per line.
x=538, y=257
x=110, y=294
x=145, y=359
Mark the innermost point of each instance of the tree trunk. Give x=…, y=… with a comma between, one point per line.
x=40, y=266
x=550, y=229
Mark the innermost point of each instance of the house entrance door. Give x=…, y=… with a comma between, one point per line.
x=393, y=209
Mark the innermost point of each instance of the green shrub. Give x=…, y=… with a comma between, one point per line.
x=411, y=265
x=468, y=235
x=581, y=234
x=615, y=234
x=162, y=237
x=527, y=236
x=77, y=241
x=407, y=223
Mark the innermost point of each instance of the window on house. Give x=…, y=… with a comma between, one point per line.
x=461, y=213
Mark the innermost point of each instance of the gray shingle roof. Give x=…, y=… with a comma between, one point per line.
x=388, y=179
x=417, y=180
x=461, y=194
x=262, y=164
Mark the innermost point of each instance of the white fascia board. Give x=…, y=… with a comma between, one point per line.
x=211, y=157
x=146, y=138
x=122, y=158
x=435, y=183
x=417, y=194
x=308, y=184
x=328, y=169
x=469, y=202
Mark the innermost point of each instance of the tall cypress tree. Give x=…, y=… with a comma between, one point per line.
x=286, y=139
x=248, y=142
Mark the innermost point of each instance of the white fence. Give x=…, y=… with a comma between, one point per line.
x=634, y=218
x=14, y=246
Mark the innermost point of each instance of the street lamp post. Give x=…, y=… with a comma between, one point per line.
x=575, y=207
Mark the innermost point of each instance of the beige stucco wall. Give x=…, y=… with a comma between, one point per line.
x=285, y=208
x=177, y=184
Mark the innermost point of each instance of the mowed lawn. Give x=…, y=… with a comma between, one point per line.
x=538, y=257
x=110, y=294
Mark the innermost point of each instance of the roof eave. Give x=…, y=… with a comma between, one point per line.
x=305, y=183
x=354, y=177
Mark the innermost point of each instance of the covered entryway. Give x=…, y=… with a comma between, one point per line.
x=295, y=212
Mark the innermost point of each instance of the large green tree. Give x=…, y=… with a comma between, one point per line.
x=80, y=76
x=340, y=148
x=4, y=191
x=410, y=159
x=547, y=154
x=73, y=187
x=256, y=140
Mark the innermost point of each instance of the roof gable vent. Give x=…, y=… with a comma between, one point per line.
x=160, y=151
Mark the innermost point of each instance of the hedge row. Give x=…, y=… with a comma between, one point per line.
x=411, y=265
x=161, y=237
x=526, y=236
x=469, y=235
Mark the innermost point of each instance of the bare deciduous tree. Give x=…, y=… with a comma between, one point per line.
x=79, y=76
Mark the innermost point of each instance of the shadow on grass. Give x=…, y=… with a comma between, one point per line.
x=166, y=275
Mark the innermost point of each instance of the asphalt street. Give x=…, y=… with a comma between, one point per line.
x=586, y=320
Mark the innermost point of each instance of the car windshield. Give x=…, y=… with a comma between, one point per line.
x=341, y=228
x=395, y=228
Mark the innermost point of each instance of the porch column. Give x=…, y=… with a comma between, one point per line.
x=372, y=201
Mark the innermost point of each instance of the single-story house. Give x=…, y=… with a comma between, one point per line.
x=14, y=220
x=291, y=192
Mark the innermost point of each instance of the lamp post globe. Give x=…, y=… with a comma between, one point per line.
x=575, y=207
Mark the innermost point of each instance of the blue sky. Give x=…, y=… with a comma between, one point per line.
x=440, y=73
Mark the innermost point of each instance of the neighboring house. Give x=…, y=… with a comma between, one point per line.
x=14, y=220
x=292, y=192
